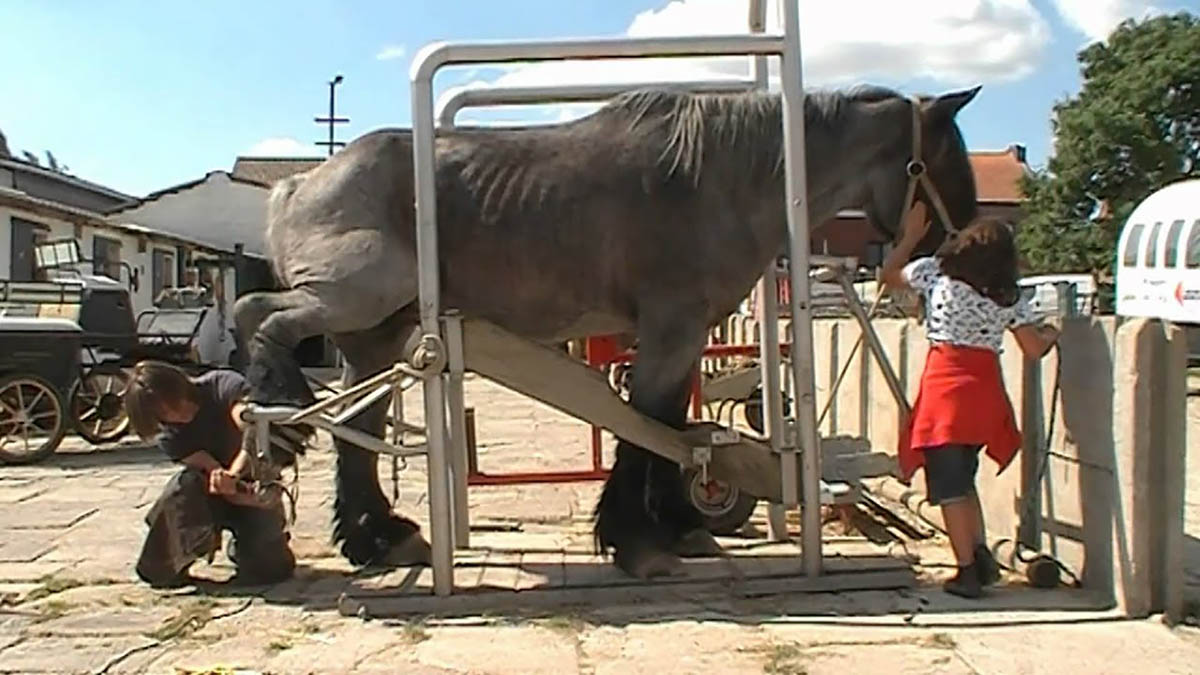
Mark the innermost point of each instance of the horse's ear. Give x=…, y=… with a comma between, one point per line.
x=947, y=106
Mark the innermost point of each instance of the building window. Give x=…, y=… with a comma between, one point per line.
x=106, y=257
x=1193, y=246
x=1172, y=256
x=1151, y=258
x=26, y=235
x=1131, y=245
x=162, y=271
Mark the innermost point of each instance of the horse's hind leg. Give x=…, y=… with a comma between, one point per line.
x=364, y=525
x=643, y=513
x=271, y=325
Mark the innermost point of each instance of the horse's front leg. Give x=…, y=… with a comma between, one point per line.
x=364, y=524
x=643, y=514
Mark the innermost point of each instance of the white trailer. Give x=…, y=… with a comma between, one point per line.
x=1158, y=256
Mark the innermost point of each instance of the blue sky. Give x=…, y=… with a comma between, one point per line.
x=139, y=95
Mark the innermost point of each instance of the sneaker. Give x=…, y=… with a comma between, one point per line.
x=989, y=569
x=965, y=584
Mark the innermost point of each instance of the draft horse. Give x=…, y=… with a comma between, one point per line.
x=653, y=216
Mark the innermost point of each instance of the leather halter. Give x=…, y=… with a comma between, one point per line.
x=917, y=173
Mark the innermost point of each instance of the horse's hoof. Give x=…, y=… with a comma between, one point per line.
x=275, y=378
x=649, y=564
x=698, y=543
x=412, y=552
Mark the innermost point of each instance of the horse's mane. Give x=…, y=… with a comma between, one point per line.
x=728, y=121
x=683, y=127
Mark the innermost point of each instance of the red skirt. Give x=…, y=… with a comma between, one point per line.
x=961, y=401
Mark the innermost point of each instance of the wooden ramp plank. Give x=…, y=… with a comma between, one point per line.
x=545, y=571
x=491, y=601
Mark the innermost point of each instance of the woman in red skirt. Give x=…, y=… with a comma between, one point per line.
x=969, y=288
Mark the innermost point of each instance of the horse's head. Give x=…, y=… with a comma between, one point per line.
x=930, y=142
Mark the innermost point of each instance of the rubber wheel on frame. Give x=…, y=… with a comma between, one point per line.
x=97, y=404
x=754, y=409
x=33, y=419
x=724, y=508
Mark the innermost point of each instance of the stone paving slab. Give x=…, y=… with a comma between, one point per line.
x=11, y=493
x=24, y=546
x=694, y=648
x=106, y=622
x=79, y=495
x=44, y=515
x=508, y=651
x=1089, y=649
x=16, y=592
x=73, y=655
x=29, y=571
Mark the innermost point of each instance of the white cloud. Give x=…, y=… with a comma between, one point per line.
x=280, y=146
x=391, y=52
x=952, y=42
x=955, y=42
x=1097, y=18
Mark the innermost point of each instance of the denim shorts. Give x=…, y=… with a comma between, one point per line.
x=950, y=472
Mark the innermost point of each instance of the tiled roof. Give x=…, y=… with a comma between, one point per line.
x=269, y=170
x=998, y=174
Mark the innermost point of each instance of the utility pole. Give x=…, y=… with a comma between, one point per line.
x=332, y=119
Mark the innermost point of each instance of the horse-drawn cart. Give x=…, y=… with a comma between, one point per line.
x=39, y=364
x=92, y=317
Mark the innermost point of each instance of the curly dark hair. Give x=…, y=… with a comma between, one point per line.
x=984, y=256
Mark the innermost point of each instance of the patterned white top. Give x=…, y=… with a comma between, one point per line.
x=957, y=314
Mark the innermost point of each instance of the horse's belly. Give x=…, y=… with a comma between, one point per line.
x=594, y=323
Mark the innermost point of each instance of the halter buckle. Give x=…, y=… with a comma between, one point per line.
x=915, y=168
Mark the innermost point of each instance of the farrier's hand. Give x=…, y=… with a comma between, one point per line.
x=222, y=482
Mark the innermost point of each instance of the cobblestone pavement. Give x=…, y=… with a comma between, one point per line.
x=72, y=526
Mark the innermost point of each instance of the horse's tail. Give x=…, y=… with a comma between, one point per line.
x=277, y=205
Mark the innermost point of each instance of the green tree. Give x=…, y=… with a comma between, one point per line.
x=1133, y=128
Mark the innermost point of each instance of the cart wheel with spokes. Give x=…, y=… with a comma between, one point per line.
x=724, y=508
x=97, y=404
x=33, y=419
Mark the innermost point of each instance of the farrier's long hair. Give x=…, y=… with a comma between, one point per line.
x=984, y=256
x=154, y=383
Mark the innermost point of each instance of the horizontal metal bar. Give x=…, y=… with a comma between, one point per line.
x=536, y=477
x=409, y=428
x=454, y=100
x=365, y=402
x=366, y=441
x=277, y=414
x=392, y=373
x=435, y=55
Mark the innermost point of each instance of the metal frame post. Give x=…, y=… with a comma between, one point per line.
x=795, y=166
x=432, y=58
x=455, y=392
x=429, y=300
x=768, y=331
